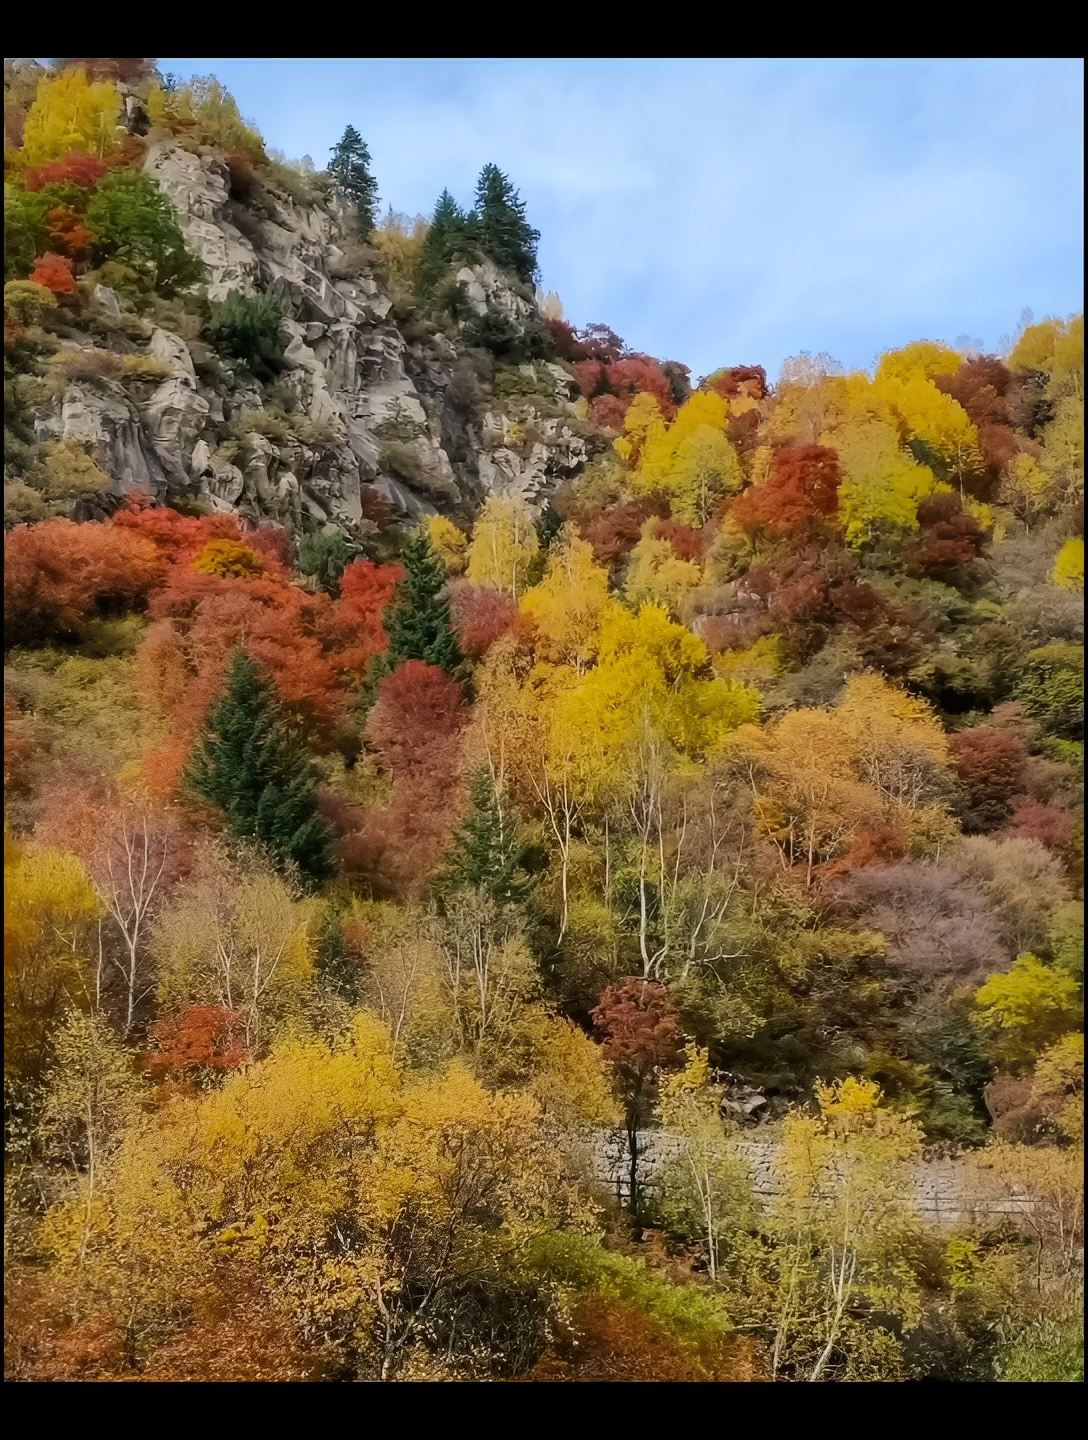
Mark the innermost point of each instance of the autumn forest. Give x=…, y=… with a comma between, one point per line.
x=620, y=921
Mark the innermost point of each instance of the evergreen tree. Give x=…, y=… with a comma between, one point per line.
x=418, y=621
x=350, y=169
x=502, y=230
x=336, y=970
x=251, y=766
x=487, y=851
x=449, y=238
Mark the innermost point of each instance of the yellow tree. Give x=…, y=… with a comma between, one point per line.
x=805, y=792
x=690, y=461
x=941, y=423
x=236, y=936
x=70, y=113
x=567, y=604
x=840, y=1233
x=657, y=573
x=448, y=542
x=504, y=545
x=1068, y=569
x=882, y=485
x=51, y=915
x=922, y=358
x=895, y=742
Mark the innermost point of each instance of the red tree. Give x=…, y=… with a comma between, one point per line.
x=989, y=765
x=55, y=273
x=58, y=574
x=78, y=169
x=801, y=490
x=480, y=615
x=640, y=1035
x=191, y=1048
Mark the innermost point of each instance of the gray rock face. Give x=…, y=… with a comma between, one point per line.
x=368, y=411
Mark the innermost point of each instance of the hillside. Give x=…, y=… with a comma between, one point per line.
x=437, y=735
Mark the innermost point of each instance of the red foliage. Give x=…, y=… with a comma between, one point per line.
x=416, y=721
x=750, y=380
x=202, y=1039
x=480, y=615
x=880, y=844
x=175, y=536
x=78, y=169
x=598, y=342
x=590, y=375
x=980, y=386
x=801, y=491
x=809, y=591
x=365, y=592
x=951, y=543
x=566, y=343
x=989, y=765
x=607, y=412
x=687, y=543
x=639, y=1028
x=67, y=233
x=615, y=532
x=55, y=273
x=639, y=375
x=58, y=574
x=1033, y=819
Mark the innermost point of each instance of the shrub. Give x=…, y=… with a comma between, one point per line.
x=247, y=328
x=133, y=221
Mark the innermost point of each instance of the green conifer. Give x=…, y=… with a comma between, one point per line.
x=502, y=230
x=487, y=850
x=250, y=765
x=448, y=239
x=350, y=169
x=418, y=620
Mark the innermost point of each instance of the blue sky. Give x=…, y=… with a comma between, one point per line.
x=733, y=212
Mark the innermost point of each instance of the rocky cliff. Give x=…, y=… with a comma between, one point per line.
x=373, y=404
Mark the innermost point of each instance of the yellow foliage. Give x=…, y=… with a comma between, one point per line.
x=690, y=461
x=657, y=573
x=207, y=110
x=882, y=485
x=568, y=602
x=70, y=113
x=1027, y=1009
x=756, y=665
x=50, y=906
x=448, y=542
x=504, y=546
x=1068, y=569
x=924, y=358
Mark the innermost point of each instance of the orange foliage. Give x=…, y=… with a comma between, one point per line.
x=55, y=273
x=81, y=170
x=67, y=233
x=611, y=1340
x=58, y=574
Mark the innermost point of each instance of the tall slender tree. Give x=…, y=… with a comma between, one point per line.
x=487, y=850
x=350, y=169
x=418, y=621
x=502, y=230
x=250, y=764
x=449, y=238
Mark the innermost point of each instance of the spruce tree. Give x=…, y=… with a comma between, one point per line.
x=334, y=967
x=448, y=238
x=502, y=230
x=250, y=765
x=418, y=620
x=350, y=169
x=487, y=851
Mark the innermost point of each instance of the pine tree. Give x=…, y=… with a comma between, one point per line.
x=487, y=852
x=334, y=967
x=502, y=230
x=418, y=621
x=251, y=766
x=350, y=169
x=449, y=238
